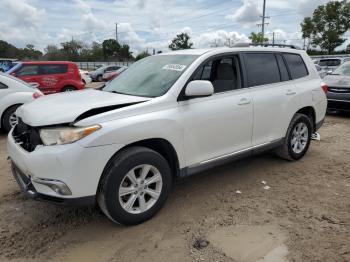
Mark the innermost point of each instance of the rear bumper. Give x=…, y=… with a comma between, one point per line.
x=337, y=101
x=26, y=186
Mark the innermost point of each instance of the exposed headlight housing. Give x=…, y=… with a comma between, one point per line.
x=65, y=135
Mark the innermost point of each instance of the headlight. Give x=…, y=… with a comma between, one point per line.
x=65, y=135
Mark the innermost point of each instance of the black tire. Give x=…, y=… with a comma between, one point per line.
x=83, y=81
x=286, y=151
x=68, y=89
x=99, y=78
x=115, y=173
x=6, y=117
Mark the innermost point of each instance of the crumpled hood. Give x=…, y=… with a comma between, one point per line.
x=337, y=80
x=67, y=107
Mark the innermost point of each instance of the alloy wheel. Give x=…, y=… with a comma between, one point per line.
x=140, y=189
x=13, y=120
x=300, y=138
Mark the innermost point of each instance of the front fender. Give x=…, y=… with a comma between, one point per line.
x=137, y=128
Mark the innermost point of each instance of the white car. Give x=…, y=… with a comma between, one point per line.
x=13, y=93
x=85, y=76
x=167, y=116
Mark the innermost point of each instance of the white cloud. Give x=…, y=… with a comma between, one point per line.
x=219, y=38
x=248, y=13
x=22, y=13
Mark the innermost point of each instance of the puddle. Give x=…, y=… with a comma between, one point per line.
x=251, y=243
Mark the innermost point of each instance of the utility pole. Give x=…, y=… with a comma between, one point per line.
x=273, y=38
x=263, y=22
x=116, y=31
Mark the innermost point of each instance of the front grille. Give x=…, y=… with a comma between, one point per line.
x=26, y=136
x=339, y=90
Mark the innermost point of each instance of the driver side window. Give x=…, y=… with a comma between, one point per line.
x=223, y=73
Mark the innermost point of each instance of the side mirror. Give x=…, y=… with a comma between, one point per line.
x=199, y=88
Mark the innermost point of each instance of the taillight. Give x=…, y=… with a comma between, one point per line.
x=36, y=95
x=324, y=87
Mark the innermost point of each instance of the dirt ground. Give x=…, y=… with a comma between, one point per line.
x=224, y=214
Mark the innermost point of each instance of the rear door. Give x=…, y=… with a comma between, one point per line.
x=51, y=75
x=274, y=96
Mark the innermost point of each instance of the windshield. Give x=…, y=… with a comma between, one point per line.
x=343, y=70
x=329, y=62
x=152, y=76
x=14, y=69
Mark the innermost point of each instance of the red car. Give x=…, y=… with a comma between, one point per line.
x=110, y=75
x=51, y=77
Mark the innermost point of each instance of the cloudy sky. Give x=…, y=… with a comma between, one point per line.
x=148, y=24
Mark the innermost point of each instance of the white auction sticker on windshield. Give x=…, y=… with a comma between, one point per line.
x=175, y=67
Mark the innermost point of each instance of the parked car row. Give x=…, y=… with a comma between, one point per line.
x=326, y=66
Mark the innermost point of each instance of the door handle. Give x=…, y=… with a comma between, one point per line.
x=291, y=93
x=244, y=101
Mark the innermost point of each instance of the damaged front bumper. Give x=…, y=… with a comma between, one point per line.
x=26, y=185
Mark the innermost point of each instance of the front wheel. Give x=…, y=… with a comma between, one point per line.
x=297, y=140
x=135, y=186
x=9, y=118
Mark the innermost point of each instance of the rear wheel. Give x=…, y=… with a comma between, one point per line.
x=135, y=186
x=9, y=118
x=298, y=138
x=99, y=78
x=68, y=89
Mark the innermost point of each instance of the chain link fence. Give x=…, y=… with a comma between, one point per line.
x=93, y=65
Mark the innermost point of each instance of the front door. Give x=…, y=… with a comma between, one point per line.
x=221, y=124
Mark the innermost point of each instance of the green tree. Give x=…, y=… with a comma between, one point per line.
x=7, y=50
x=142, y=55
x=71, y=50
x=96, y=52
x=30, y=53
x=53, y=53
x=258, y=38
x=327, y=25
x=124, y=53
x=181, y=41
x=111, y=48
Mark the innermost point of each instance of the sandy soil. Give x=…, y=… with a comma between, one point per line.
x=303, y=216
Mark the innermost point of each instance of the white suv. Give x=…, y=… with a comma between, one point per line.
x=167, y=116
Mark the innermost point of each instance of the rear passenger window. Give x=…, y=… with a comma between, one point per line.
x=283, y=68
x=53, y=69
x=296, y=66
x=262, y=69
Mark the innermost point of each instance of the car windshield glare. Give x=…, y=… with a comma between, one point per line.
x=343, y=70
x=152, y=76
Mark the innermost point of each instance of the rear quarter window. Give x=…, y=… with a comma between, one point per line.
x=296, y=65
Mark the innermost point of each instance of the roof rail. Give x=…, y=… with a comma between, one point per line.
x=266, y=45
